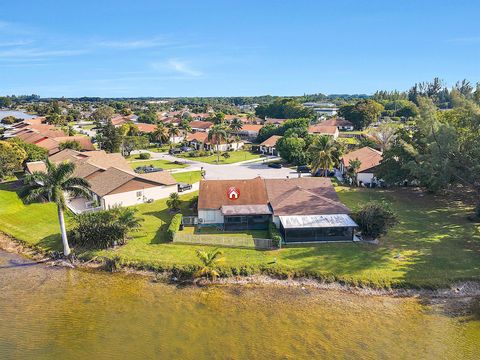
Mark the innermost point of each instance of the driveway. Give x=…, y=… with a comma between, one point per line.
x=244, y=170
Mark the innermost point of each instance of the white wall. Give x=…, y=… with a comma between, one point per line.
x=210, y=216
x=130, y=198
x=366, y=177
x=276, y=221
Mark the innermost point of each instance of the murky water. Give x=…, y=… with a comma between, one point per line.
x=17, y=114
x=48, y=313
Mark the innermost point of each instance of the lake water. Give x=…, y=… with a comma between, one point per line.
x=17, y=114
x=57, y=313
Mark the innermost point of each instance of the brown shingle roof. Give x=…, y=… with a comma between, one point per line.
x=198, y=124
x=161, y=177
x=213, y=193
x=146, y=128
x=198, y=136
x=303, y=196
x=84, y=141
x=322, y=129
x=35, y=166
x=271, y=141
x=251, y=127
x=369, y=158
x=337, y=122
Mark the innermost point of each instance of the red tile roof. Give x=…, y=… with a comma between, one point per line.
x=198, y=124
x=271, y=141
x=322, y=129
x=369, y=158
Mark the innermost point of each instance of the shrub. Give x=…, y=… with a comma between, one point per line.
x=144, y=156
x=104, y=229
x=173, y=201
x=375, y=218
x=275, y=235
x=174, y=226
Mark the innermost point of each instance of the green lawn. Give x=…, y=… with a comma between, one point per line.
x=189, y=177
x=160, y=149
x=433, y=245
x=164, y=164
x=235, y=156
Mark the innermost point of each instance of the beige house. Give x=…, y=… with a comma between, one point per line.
x=320, y=129
x=369, y=159
x=268, y=147
x=199, y=140
x=112, y=181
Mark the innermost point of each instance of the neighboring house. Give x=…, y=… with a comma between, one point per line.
x=276, y=122
x=340, y=123
x=320, y=129
x=303, y=209
x=199, y=140
x=112, y=181
x=46, y=136
x=202, y=126
x=249, y=131
x=321, y=109
x=268, y=147
x=369, y=159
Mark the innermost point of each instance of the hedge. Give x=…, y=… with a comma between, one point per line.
x=144, y=156
x=174, y=226
x=275, y=235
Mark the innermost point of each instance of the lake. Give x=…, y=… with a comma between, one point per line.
x=48, y=313
x=17, y=114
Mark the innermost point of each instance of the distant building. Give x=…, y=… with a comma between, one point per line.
x=340, y=123
x=320, y=129
x=369, y=159
x=322, y=109
x=268, y=147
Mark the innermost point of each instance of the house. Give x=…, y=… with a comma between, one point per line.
x=340, y=123
x=369, y=159
x=320, y=129
x=112, y=181
x=268, y=147
x=322, y=109
x=276, y=122
x=303, y=209
x=249, y=131
x=198, y=125
x=196, y=140
x=199, y=140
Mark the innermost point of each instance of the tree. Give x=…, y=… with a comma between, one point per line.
x=210, y=261
x=103, y=114
x=173, y=202
x=129, y=129
x=216, y=135
x=130, y=143
x=362, y=114
x=325, y=154
x=384, y=135
x=52, y=185
x=184, y=127
x=5, y=102
x=149, y=117
x=292, y=149
x=160, y=135
x=218, y=118
x=173, y=132
x=10, y=120
x=70, y=144
x=284, y=109
x=353, y=167
x=34, y=152
x=235, y=125
x=374, y=219
x=109, y=137
x=56, y=119
x=12, y=157
x=251, y=117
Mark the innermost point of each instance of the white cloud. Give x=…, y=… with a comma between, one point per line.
x=33, y=53
x=133, y=44
x=177, y=66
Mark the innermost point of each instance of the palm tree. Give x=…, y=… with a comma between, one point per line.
x=160, y=134
x=216, y=135
x=173, y=132
x=251, y=116
x=173, y=201
x=53, y=185
x=325, y=154
x=185, y=127
x=236, y=125
x=354, y=166
x=209, y=260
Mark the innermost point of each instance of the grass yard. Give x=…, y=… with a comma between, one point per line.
x=164, y=164
x=161, y=149
x=188, y=177
x=235, y=156
x=433, y=245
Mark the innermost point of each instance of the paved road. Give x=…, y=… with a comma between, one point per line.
x=243, y=170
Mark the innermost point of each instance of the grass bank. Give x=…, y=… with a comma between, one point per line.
x=433, y=246
x=164, y=164
x=235, y=156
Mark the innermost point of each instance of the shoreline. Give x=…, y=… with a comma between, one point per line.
x=457, y=290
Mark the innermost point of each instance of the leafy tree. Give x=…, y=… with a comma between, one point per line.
x=149, y=117
x=56, y=119
x=210, y=261
x=12, y=157
x=292, y=149
x=353, y=167
x=103, y=114
x=184, y=127
x=173, y=202
x=218, y=118
x=5, y=102
x=216, y=135
x=129, y=129
x=130, y=143
x=384, y=135
x=160, y=135
x=10, y=120
x=52, y=185
x=173, y=132
x=70, y=144
x=325, y=154
x=284, y=109
x=104, y=229
x=109, y=137
x=34, y=152
x=235, y=125
x=362, y=114
x=374, y=219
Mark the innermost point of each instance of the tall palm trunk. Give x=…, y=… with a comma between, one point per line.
x=63, y=230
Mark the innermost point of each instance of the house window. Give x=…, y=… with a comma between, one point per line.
x=139, y=193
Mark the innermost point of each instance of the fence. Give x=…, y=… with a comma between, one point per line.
x=223, y=240
x=190, y=220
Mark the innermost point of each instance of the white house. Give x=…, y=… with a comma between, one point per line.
x=369, y=159
x=268, y=147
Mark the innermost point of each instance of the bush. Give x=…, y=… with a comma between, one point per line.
x=275, y=235
x=104, y=229
x=174, y=226
x=375, y=218
x=144, y=156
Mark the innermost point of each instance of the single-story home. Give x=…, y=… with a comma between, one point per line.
x=268, y=147
x=369, y=159
x=199, y=140
x=202, y=126
x=303, y=209
x=320, y=129
x=248, y=131
x=276, y=122
x=112, y=181
x=340, y=123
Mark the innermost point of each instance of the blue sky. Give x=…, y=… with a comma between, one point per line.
x=233, y=48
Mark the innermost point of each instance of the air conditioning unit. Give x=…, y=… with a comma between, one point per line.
x=200, y=220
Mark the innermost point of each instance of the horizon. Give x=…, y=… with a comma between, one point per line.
x=213, y=49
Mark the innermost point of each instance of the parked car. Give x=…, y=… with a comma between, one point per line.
x=174, y=151
x=303, y=169
x=275, y=165
x=147, y=169
x=186, y=149
x=181, y=187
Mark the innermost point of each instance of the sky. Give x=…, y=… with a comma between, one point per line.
x=234, y=48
